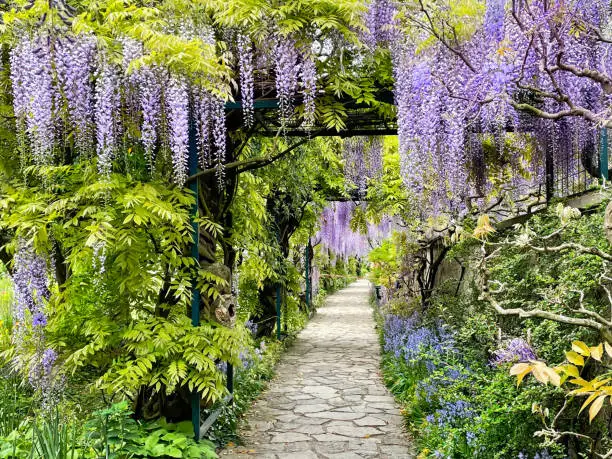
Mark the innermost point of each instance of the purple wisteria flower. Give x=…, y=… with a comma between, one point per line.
x=177, y=107
x=516, y=350
x=251, y=326
x=108, y=100
x=287, y=70
x=75, y=61
x=34, y=95
x=39, y=320
x=31, y=283
x=48, y=359
x=222, y=367
x=309, y=85
x=247, y=86
x=219, y=136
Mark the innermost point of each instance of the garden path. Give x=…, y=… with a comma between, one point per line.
x=327, y=399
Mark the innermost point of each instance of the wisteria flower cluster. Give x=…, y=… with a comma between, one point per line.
x=451, y=96
x=336, y=234
x=544, y=454
x=69, y=88
x=517, y=350
x=31, y=293
x=362, y=161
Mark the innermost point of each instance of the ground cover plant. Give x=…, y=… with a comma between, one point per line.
x=457, y=376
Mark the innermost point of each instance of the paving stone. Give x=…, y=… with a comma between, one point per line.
x=345, y=455
x=336, y=415
x=382, y=406
x=371, y=421
x=353, y=431
x=329, y=437
x=327, y=399
x=312, y=408
x=393, y=451
x=289, y=437
x=378, y=398
x=300, y=455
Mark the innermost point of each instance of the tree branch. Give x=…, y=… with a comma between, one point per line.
x=487, y=295
x=250, y=164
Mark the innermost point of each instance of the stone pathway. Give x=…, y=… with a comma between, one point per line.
x=327, y=399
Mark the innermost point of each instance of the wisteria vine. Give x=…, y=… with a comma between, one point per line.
x=337, y=235
x=538, y=70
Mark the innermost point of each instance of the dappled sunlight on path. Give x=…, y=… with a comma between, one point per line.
x=327, y=399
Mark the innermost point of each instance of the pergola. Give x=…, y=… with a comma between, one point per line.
x=360, y=120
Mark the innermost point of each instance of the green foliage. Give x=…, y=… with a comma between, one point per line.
x=126, y=317
x=384, y=263
x=15, y=402
x=502, y=418
x=53, y=439
x=167, y=353
x=387, y=194
x=113, y=433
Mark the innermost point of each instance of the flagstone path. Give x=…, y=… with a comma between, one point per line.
x=327, y=399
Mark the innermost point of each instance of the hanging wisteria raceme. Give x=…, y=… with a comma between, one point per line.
x=287, y=69
x=132, y=50
x=219, y=136
x=362, y=161
x=336, y=234
x=31, y=287
x=309, y=90
x=177, y=108
x=247, y=85
x=75, y=63
x=379, y=20
x=107, y=107
x=204, y=106
x=355, y=163
x=31, y=284
x=150, y=90
x=34, y=95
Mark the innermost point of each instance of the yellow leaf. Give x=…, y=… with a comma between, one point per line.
x=540, y=374
x=581, y=348
x=553, y=376
x=597, y=352
x=588, y=401
x=483, y=227
x=574, y=358
x=608, y=349
x=570, y=370
x=520, y=376
x=519, y=368
x=596, y=406
x=580, y=382
x=598, y=384
x=583, y=391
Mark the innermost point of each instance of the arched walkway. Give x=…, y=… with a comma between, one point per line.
x=327, y=399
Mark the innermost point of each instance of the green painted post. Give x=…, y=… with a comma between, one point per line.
x=307, y=274
x=195, y=294
x=278, y=312
x=603, y=154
